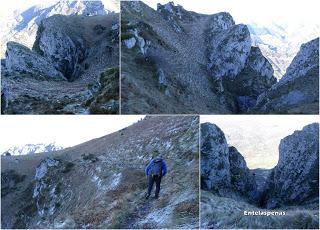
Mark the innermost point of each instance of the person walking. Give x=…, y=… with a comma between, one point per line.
x=155, y=170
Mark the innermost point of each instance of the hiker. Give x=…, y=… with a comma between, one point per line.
x=155, y=170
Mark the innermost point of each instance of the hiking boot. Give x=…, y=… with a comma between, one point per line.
x=147, y=196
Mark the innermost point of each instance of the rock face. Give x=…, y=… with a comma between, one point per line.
x=242, y=179
x=56, y=43
x=229, y=49
x=223, y=169
x=101, y=183
x=215, y=67
x=298, y=89
x=215, y=165
x=79, y=49
x=295, y=179
x=21, y=59
x=22, y=25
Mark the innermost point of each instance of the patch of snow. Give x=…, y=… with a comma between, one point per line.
x=116, y=178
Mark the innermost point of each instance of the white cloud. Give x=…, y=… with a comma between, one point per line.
x=65, y=130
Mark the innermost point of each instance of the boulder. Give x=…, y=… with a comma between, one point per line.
x=295, y=179
x=21, y=59
x=298, y=90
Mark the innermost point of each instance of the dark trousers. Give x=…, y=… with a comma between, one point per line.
x=151, y=181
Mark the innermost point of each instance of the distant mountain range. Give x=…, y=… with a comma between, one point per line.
x=22, y=25
x=280, y=43
x=31, y=149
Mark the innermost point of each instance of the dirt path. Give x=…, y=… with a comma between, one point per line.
x=140, y=212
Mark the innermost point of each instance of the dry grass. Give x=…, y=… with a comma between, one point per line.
x=220, y=212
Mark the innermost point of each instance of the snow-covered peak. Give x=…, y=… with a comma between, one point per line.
x=31, y=149
x=281, y=42
x=21, y=25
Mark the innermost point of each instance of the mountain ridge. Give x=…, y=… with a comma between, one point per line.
x=101, y=183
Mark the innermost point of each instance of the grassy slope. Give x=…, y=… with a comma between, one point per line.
x=94, y=201
x=221, y=212
x=182, y=56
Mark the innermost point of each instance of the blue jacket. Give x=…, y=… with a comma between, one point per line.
x=164, y=167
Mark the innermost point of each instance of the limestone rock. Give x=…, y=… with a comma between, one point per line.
x=23, y=60
x=215, y=166
x=59, y=44
x=254, y=79
x=229, y=50
x=295, y=179
x=223, y=169
x=298, y=89
x=220, y=21
x=130, y=43
x=242, y=179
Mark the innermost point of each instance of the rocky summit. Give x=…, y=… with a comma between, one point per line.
x=22, y=25
x=228, y=186
x=31, y=149
x=101, y=183
x=73, y=62
x=179, y=61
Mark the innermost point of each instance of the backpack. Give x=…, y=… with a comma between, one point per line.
x=156, y=168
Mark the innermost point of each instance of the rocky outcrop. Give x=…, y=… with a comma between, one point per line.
x=223, y=169
x=295, y=179
x=22, y=26
x=216, y=68
x=76, y=48
x=298, y=89
x=239, y=70
x=58, y=43
x=242, y=179
x=101, y=183
x=228, y=49
x=215, y=165
x=174, y=14
x=21, y=59
x=105, y=94
x=254, y=79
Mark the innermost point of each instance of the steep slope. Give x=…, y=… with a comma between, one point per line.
x=101, y=183
x=21, y=26
x=81, y=50
x=295, y=179
x=298, y=89
x=289, y=192
x=280, y=43
x=178, y=61
x=223, y=169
